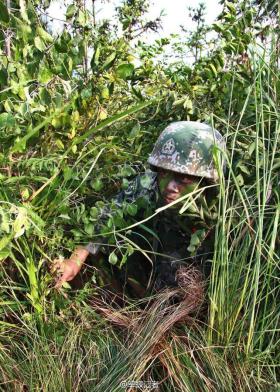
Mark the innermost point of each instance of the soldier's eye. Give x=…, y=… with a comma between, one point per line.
x=187, y=181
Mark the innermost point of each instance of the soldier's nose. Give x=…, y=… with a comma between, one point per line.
x=172, y=186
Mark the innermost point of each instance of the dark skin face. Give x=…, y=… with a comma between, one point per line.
x=174, y=185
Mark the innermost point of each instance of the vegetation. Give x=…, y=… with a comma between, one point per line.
x=78, y=112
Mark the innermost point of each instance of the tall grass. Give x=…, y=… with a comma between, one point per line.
x=244, y=288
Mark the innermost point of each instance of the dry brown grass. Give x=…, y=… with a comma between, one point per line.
x=165, y=308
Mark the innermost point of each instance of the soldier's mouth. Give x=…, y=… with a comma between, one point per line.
x=169, y=199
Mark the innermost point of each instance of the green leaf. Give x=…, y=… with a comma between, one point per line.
x=195, y=240
x=252, y=148
x=127, y=171
x=3, y=76
x=67, y=173
x=94, y=212
x=136, y=130
x=123, y=260
x=213, y=69
x=4, y=242
x=4, y=226
x=218, y=27
x=146, y=181
x=240, y=180
x=213, y=87
x=244, y=169
x=276, y=164
x=102, y=114
x=45, y=75
x=125, y=183
x=59, y=144
x=44, y=35
x=82, y=18
x=89, y=228
x=61, y=45
x=109, y=61
x=109, y=223
x=95, y=58
x=25, y=193
x=7, y=120
x=4, y=14
x=21, y=223
x=24, y=31
x=66, y=285
x=231, y=7
x=100, y=204
x=76, y=233
x=191, y=248
x=132, y=209
x=64, y=216
x=4, y=253
x=111, y=88
x=86, y=93
x=97, y=184
x=113, y=259
x=124, y=71
x=70, y=11
x=188, y=104
x=39, y=44
x=105, y=93
x=45, y=96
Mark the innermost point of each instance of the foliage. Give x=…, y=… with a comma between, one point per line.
x=77, y=111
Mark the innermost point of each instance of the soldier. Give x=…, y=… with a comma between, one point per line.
x=183, y=177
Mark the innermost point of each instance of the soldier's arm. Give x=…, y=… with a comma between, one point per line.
x=69, y=268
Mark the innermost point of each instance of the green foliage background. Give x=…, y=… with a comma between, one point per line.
x=76, y=110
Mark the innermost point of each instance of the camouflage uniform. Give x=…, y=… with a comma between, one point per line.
x=171, y=235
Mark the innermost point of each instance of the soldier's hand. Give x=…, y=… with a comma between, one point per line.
x=68, y=269
x=65, y=270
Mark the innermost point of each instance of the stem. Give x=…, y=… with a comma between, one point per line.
x=93, y=13
x=85, y=45
x=8, y=34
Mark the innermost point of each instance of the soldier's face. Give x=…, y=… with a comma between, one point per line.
x=173, y=185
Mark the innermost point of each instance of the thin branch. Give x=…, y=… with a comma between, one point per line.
x=8, y=34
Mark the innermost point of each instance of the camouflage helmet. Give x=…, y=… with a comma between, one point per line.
x=186, y=147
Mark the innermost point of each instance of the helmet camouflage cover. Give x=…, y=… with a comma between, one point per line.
x=187, y=147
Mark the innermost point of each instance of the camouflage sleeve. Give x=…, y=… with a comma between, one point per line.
x=140, y=190
x=93, y=248
x=143, y=185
